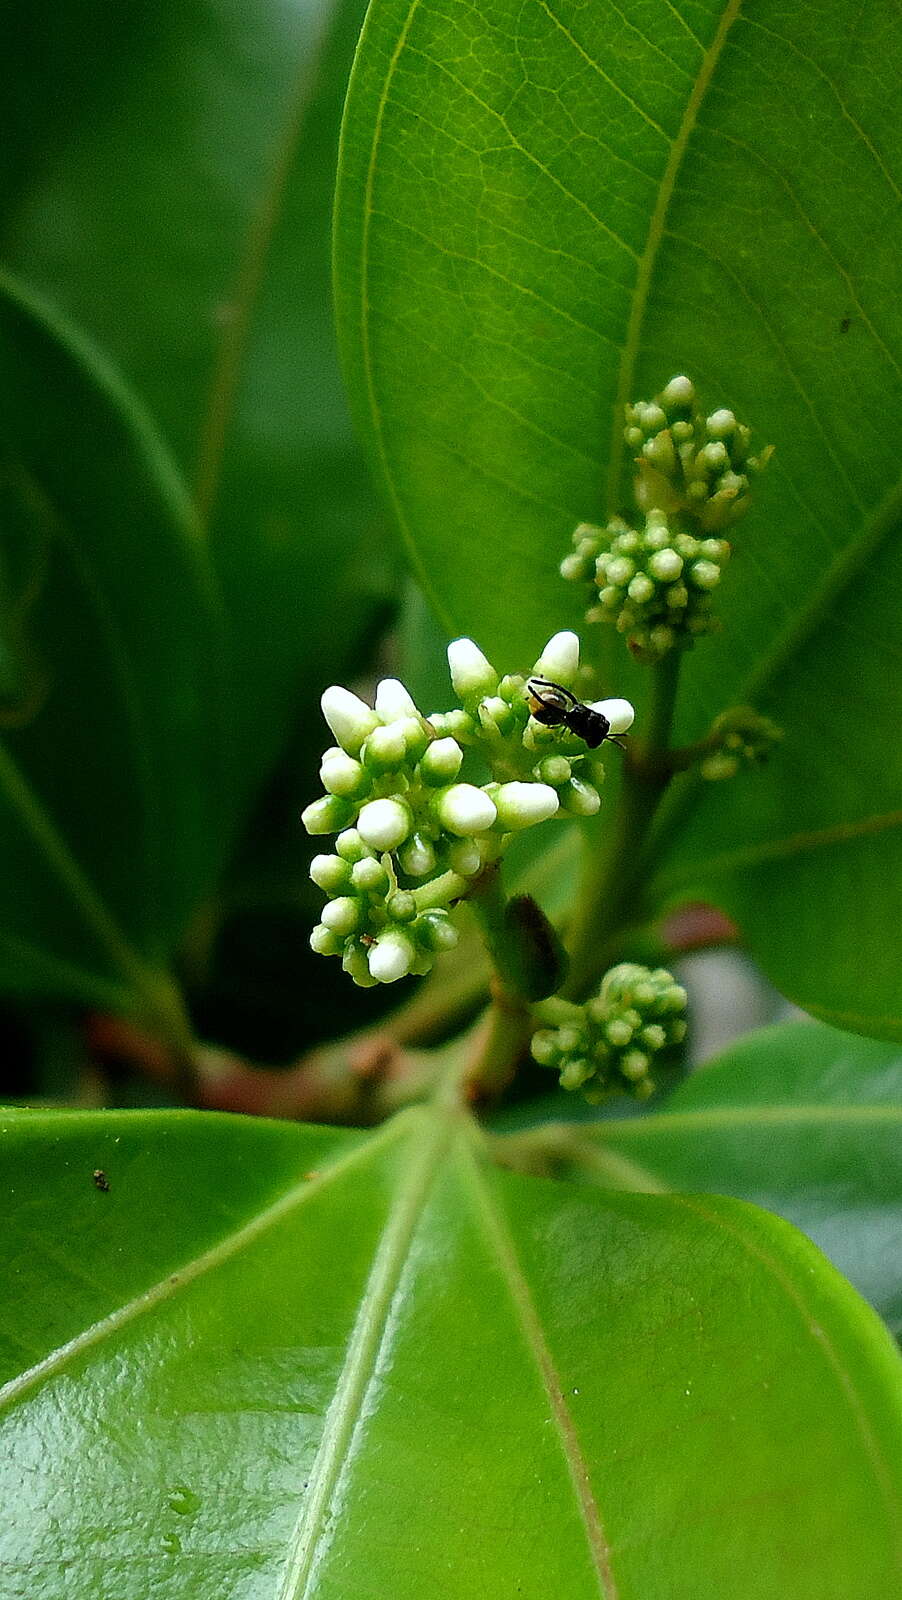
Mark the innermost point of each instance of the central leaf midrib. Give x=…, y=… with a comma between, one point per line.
x=503, y=1251
x=361, y=1359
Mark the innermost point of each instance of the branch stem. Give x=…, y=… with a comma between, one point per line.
x=611, y=894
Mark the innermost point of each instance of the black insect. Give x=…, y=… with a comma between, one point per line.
x=101, y=1181
x=555, y=707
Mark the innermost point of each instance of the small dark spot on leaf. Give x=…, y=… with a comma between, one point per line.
x=101, y=1181
x=845, y=325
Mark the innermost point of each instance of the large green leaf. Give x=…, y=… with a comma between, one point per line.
x=276, y=1362
x=546, y=210
x=167, y=177
x=112, y=758
x=799, y=1118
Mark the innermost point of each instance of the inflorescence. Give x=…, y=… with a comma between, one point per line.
x=414, y=835
x=637, y=1021
x=655, y=583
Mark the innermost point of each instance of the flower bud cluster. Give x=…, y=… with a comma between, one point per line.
x=496, y=719
x=414, y=836
x=739, y=738
x=689, y=463
x=655, y=586
x=693, y=482
x=610, y=1044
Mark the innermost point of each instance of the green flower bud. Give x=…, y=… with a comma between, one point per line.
x=436, y=931
x=401, y=907
x=417, y=857
x=369, y=876
x=554, y=770
x=619, y=1032
x=326, y=815
x=441, y=762
x=465, y=857
x=579, y=799
x=544, y=1047
x=496, y=715
x=386, y=749
x=325, y=942
x=634, y=1064
x=342, y=775
x=330, y=873
x=455, y=724
x=575, y=1073
x=350, y=846
x=356, y=966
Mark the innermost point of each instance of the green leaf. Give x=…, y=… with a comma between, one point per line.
x=546, y=210
x=290, y=1362
x=112, y=755
x=800, y=1119
x=169, y=183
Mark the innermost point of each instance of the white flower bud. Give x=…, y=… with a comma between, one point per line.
x=384, y=824
x=620, y=570
x=463, y=809
x=519, y=805
x=342, y=915
x=471, y=673
x=680, y=391
x=441, y=762
x=348, y=717
x=393, y=701
x=705, y=574
x=619, y=713
x=641, y=589
x=665, y=565
x=340, y=773
x=559, y=660
x=392, y=956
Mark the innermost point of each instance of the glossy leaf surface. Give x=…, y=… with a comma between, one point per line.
x=168, y=180
x=546, y=210
x=282, y=1362
x=800, y=1119
x=112, y=753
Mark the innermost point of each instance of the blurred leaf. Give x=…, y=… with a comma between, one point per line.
x=798, y=1118
x=526, y=1387
x=112, y=758
x=545, y=211
x=169, y=181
